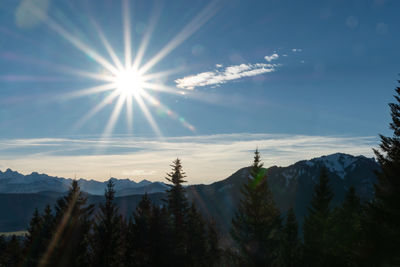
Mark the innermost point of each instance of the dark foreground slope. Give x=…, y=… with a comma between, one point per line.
x=16, y=209
x=292, y=186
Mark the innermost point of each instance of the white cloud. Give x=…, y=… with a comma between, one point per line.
x=271, y=57
x=219, y=65
x=205, y=158
x=218, y=76
x=297, y=50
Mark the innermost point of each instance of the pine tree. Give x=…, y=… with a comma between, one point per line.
x=70, y=242
x=33, y=239
x=107, y=237
x=196, y=250
x=346, y=221
x=318, y=224
x=382, y=231
x=13, y=252
x=47, y=228
x=160, y=237
x=130, y=244
x=256, y=225
x=177, y=201
x=141, y=248
x=3, y=246
x=178, y=207
x=290, y=242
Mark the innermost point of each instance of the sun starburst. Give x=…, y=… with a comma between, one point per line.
x=128, y=81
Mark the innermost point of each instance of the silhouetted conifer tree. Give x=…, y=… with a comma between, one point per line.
x=107, y=237
x=256, y=224
x=178, y=207
x=130, y=243
x=32, y=243
x=13, y=252
x=141, y=232
x=291, y=248
x=160, y=237
x=70, y=242
x=318, y=225
x=346, y=221
x=3, y=245
x=47, y=228
x=382, y=232
x=196, y=250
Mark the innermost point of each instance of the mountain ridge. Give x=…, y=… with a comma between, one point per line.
x=15, y=182
x=292, y=186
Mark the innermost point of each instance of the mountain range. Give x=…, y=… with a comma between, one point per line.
x=15, y=182
x=292, y=186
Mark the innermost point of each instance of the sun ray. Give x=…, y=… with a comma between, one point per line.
x=155, y=102
x=29, y=78
x=146, y=39
x=161, y=88
x=91, y=90
x=158, y=75
x=74, y=41
x=127, y=32
x=114, y=117
x=129, y=114
x=207, y=13
x=96, y=109
x=57, y=67
x=107, y=45
x=147, y=113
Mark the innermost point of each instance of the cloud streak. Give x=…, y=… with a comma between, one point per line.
x=222, y=75
x=205, y=158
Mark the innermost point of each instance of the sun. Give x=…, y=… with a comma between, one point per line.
x=128, y=82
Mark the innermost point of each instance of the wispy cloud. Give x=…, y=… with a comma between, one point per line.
x=222, y=75
x=271, y=57
x=297, y=50
x=205, y=158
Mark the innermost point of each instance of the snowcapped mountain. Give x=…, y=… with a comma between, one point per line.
x=292, y=185
x=15, y=182
x=337, y=163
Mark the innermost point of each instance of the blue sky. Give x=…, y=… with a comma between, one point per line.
x=248, y=69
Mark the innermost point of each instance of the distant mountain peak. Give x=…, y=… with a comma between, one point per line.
x=336, y=163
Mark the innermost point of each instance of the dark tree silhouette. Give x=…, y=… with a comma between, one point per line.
x=177, y=204
x=70, y=242
x=160, y=237
x=256, y=225
x=108, y=243
x=32, y=247
x=318, y=224
x=291, y=248
x=346, y=221
x=382, y=232
x=141, y=247
x=12, y=252
x=196, y=249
